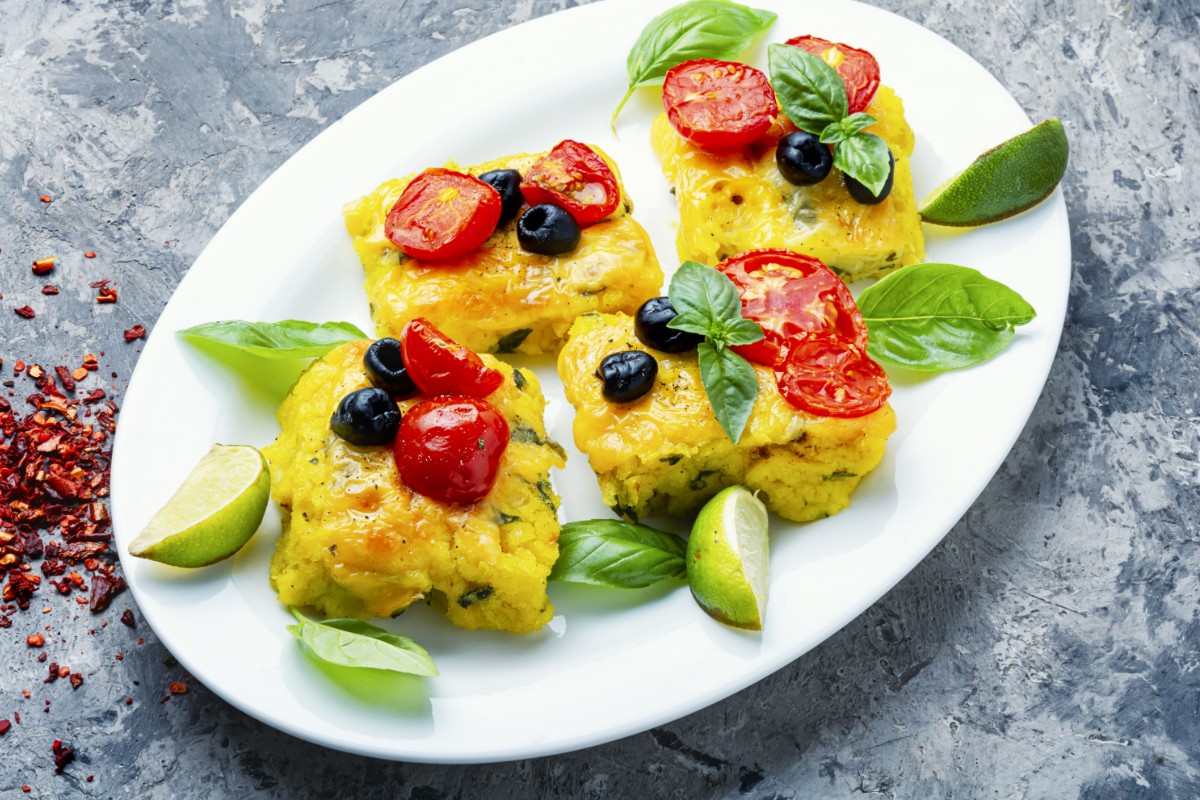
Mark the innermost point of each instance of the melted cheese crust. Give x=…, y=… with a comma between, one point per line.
x=500, y=298
x=737, y=201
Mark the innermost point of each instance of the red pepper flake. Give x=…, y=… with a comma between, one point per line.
x=45, y=198
x=128, y=701
x=120, y=657
x=26, y=312
x=63, y=755
x=127, y=618
x=90, y=564
x=49, y=289
x=107, y=295
x=26, y=789
x=136, y=332
x=76, y=680
x=18, y=367
x=64, y=377
x=79, y=373
x=104, y=589
x=25, y=693
x=35, y=640
x=4, y=726
x=90, y=362
x=178, y=687
x=90, y=254
x=63, y=671
x=95, y=396
x=43, y=266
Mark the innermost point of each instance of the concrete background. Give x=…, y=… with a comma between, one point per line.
x=1047, y=648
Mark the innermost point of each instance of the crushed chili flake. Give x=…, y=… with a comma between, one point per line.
x=90, y=361
x=136, y=332
x=43, y=266
x=79, y=373
x=63, y=755
x=35, y=640
x=107, y=295
x=45, y=198
x=127, y=618
x=178, y=687
x=76, y=680
x=90, y=254
x=128, y=701
x=35, y=372
x=49, y=289
x=26, y=312
x=63, y=671
x=64, y=377
x=4, y=726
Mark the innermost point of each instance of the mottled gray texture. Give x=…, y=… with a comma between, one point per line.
x=1047, y=648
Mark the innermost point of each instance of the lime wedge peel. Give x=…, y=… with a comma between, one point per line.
x=1010, y=178
x=727, y=558
x=213, y=514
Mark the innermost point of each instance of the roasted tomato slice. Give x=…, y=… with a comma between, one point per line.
x=718, y=105
x=449, y=448
x=443, y=215
x=439, y=365
x=573, y=176
x=858, y=68
x=827, y=375
x=789, y=294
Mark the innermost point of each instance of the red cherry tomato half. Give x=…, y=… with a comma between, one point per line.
x=449, y=448
x=858, y=68
x=789, y=294
x=718, y=105
x=829, y=376
x=574, y=177
x=442, y=215
x=439, y=365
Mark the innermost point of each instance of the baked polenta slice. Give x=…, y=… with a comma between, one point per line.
x=737, y=200
x=667, y=454
x=357, y=542
x=501, y=298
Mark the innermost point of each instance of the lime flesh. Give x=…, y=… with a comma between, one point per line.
x=727, y=558
x=1004, y=181
x=213, y=514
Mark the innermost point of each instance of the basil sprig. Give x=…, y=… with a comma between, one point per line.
x=936, y=317
x=608, y=552
x=358, y=644
x=290, y=338
x=696, y=29
x=813, y=96
x=708, y=303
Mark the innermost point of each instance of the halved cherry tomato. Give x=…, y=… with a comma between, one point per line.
x=718, y=105
x=827, y=375
x=788, y=294
x=449, y=448
x=443, y=215
x=573, y=176
x=858, y=68
x=439, y=365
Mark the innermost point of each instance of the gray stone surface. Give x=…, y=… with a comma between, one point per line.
x=1047, y=648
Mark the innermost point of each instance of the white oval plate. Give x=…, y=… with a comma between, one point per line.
x=611, y=663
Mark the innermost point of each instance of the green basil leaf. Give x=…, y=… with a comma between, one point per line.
x=866, y=158
x=810, y=91
x=698, y=29
x=935, y=317
x=290, y=338
x=731, y=385
x=705, y=292
x=608, y=552
x=833, y=134
x=742, y=331
x=840, y=131
x=692, y=322
x=354, y=643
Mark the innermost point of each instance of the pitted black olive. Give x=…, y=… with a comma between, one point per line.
x=508, y=183
x=385, y=368
x=651, y=326
x=627, y=375
x=548, y=230
x=802, y=159
x=366, y=417
x=863, y=195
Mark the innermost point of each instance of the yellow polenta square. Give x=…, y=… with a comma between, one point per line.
x=501, y=298
x=736, y=201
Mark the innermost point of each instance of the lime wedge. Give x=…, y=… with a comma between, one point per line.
x=216, y=510
x=727, y=558
x=1004, y=181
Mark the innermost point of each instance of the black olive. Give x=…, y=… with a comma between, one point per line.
x=385, y=368
x=508, y=183
x=651, y=325
x=627, y=375
x=802, y=159
x=548, y=230
x=366, y=416
x=863, y=195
